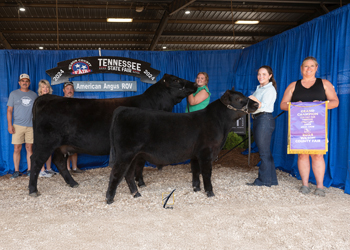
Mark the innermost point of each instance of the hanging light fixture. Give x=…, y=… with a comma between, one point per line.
x=247, y=22
x=139, y=8
x=119, y=20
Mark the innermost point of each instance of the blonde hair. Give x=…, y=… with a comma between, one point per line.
x=205, y=75
x=310, y=58
x=46, y=83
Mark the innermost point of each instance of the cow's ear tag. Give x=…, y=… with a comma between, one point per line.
x=164, y=80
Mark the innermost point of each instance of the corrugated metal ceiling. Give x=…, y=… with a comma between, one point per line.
x=209, y=26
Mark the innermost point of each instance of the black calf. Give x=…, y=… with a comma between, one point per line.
x=164, y=138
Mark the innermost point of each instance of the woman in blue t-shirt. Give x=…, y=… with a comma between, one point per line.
x=200, y=99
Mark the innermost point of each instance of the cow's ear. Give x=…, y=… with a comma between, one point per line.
x=225, y=98
x=166, y=77
x=233, y=89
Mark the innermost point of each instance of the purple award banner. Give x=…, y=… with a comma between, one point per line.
x=307, y=128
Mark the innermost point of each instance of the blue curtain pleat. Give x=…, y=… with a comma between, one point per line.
x=327, y=38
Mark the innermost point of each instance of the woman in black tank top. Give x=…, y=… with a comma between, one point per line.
x=315, y=92
x=310, y=89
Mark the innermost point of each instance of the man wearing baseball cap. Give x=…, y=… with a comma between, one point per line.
x=19, y=120
x=68, y=89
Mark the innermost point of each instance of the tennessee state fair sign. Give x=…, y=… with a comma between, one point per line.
x=98, y=64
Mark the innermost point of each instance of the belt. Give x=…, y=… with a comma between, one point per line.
x=254, y=116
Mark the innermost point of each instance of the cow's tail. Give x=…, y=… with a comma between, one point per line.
x=112, y=155
x=34, y=109
x=112, y=158
x=33, y=121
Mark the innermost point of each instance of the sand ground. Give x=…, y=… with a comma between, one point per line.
x=238, y=217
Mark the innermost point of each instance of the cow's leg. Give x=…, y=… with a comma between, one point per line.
x=60, y=160
x=118, y=172
x=37, y=161
x=139, y=164
x=195, y=175
x=206, y=168
x=129, y=177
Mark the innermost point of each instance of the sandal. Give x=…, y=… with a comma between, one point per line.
x=304, y=190
x=320, y=192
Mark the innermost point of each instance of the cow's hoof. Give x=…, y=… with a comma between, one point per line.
x=210, y=194
x=141, y=184
x=137, y=195
x=35, y=194
x=196, y=189
x=75, y=185
x=109, y=201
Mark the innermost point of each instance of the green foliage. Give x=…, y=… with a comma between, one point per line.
x=233, y=140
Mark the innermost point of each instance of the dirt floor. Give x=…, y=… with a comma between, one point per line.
x=238, y=217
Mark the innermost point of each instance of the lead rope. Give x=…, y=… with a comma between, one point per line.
x=249, y=137
x=188, y=106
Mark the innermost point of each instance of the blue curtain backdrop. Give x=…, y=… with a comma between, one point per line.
x=327, y=38
x=185, y=64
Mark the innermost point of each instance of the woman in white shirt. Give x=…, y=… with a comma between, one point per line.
x=264, y=125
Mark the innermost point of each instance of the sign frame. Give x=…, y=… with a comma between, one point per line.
x=102, y=64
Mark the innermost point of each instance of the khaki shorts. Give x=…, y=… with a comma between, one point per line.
x=22, y=134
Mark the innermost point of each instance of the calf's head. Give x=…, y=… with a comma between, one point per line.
x=178, y=87
x=237, y=101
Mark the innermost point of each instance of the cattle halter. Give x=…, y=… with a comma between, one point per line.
x=244, y=108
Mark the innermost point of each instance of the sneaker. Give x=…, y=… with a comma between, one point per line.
x=50, y=171
x=320, y=192
x=15, y=175
x=304, y=190
x=77, y=171
x=44, y=174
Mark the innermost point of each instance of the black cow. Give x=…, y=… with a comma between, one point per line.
x=164, y=138
x=69, y=125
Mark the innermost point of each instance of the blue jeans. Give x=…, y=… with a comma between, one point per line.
x=263, y=127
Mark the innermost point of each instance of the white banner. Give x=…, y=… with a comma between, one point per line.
x=102, y=86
